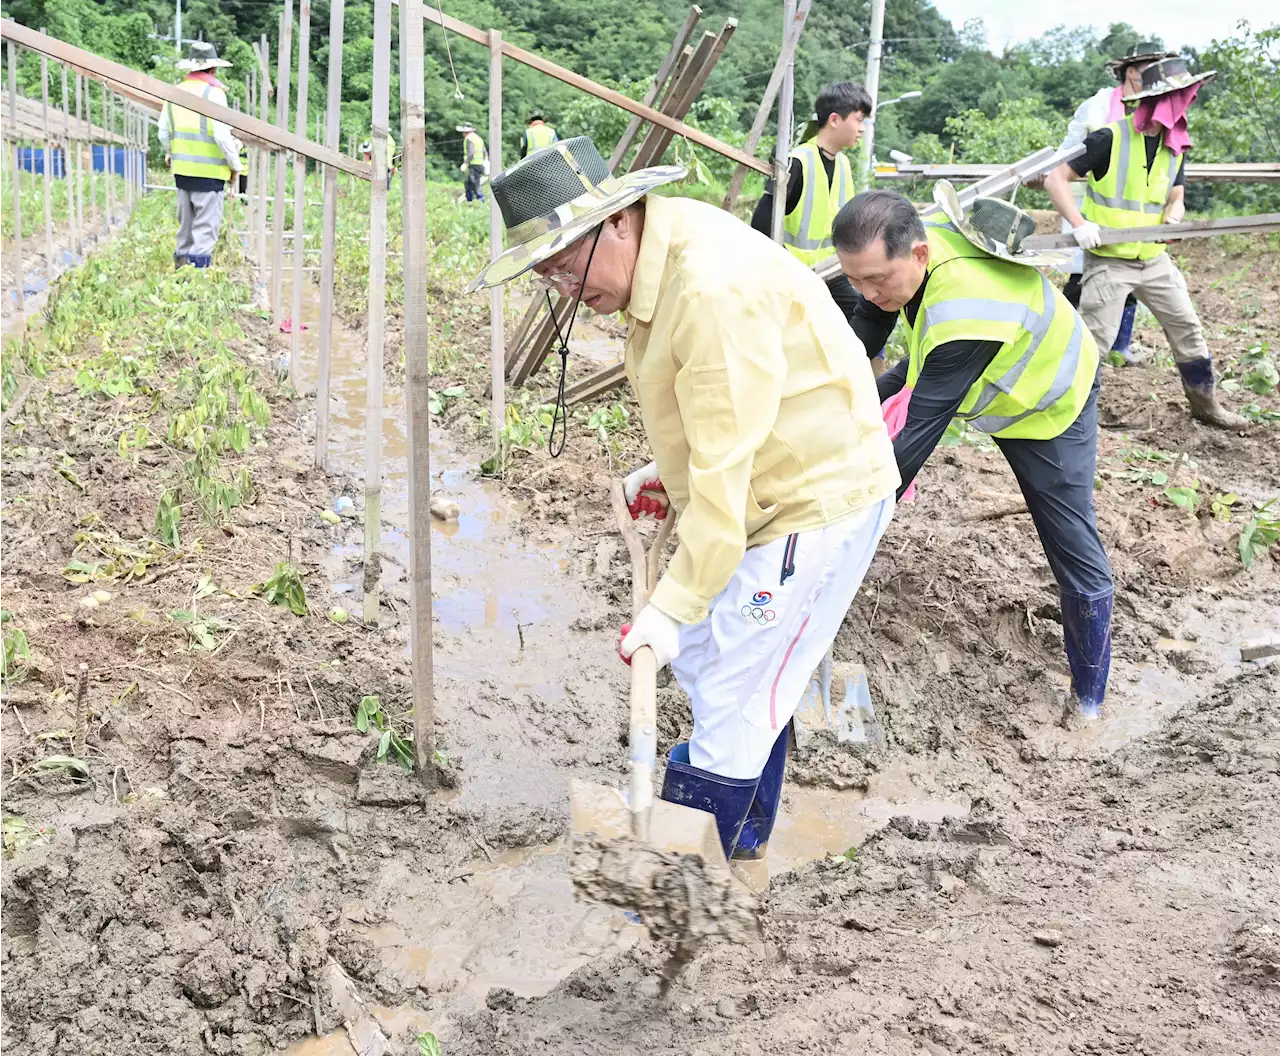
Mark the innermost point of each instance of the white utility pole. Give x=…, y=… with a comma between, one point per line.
x=874, y=51
x=177, y=27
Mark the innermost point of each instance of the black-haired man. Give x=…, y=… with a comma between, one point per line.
x=819, y=182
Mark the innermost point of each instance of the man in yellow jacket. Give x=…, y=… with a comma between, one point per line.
x=475, y=162
x=761, y=410
x=539, y=134
x=993, y=342
x=204, y=156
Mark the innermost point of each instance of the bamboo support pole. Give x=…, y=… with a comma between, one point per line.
x=377, y=310
x=497, y=340
x=66, y=161
x=109, y=158
x=417, y=393
x=81, y=233
x=251, y=171
x=93, y=166
x=48, y=168
x=264, y=161
x=19, y=270
x=299, y=192
x=782, y=149
x=277, y=212
x=329, y=244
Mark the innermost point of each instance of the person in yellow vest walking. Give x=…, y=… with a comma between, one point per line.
x=539, y=134
x=819, y=182
x=204, y=157
x=475, y=162
x=993, y=342
x=767, y=438
x=1135, y=168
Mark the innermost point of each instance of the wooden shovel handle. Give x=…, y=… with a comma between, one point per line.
x=643, y=735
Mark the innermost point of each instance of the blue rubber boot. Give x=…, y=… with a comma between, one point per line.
x=728, y=798
x=1086, y=629
x=753, y=839
x=201, y=260
x=1197, y=383
x=1125, y=334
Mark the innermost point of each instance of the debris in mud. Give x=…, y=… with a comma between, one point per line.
x=676, y=896
x=445, y=509
x=1050, y=937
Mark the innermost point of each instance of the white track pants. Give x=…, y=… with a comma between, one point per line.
x=746, y=666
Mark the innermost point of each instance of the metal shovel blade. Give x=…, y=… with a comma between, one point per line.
x=837, y=703
x=599, y=812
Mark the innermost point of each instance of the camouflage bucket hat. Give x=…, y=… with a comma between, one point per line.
x=1168, y=75
x=997, y=227
x=554, y=197
x=201, y=55
x=1143, y=51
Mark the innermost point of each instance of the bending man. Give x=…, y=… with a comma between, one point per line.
x=761, y=411
x=992, y=342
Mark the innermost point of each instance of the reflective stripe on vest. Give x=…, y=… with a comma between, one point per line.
x=538, y=136
x=806, y=230
x=191, y=144
x=1037, y=383
x=1130, y=194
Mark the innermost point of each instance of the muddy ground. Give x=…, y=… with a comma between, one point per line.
x=986, y=883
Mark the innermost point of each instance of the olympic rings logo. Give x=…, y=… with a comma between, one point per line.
x=758, y=614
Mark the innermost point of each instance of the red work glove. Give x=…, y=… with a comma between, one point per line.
x=646, y=497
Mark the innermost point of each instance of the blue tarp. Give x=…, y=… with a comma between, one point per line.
x=32, y=159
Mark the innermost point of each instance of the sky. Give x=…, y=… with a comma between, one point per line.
x=1176, y=22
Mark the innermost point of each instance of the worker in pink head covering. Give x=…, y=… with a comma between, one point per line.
x=1134, y=170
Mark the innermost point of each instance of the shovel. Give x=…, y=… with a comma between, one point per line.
x=661, y=860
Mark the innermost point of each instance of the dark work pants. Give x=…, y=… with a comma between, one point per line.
x=1056, y=477
x=475, y=173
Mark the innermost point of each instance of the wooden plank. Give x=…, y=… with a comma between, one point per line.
x=660, y=78
x=542, y=339
x=19, y=268
x=417, y=380
x=283, y=72
x=691, y=91
x=596, y=385
x=1215, y=172
x=48, y=169
x=589, y=86
x=377, y=310
x=655, y=141
x=155, y=93
x=298, y=246
x=264, y=167
x=497, y=341
x=786, y=58
x=80, y=125
x=1228, y=225
x=28, y=122
x=329, y=244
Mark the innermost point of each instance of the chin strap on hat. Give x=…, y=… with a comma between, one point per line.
x=561, y=413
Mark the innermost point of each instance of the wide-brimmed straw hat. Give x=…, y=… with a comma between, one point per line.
x=201, y=55
x=464, y=127
x=556, y=195
x=1168, y=75
x=1143, y=51
x=997, y=227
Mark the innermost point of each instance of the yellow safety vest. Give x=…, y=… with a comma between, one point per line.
x=1129, y=195
x=473, y=149
x=1040, y=379
x=806, y=230
x=537, y=137
x=191, y=144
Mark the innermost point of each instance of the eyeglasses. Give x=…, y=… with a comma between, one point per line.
x=558, y=279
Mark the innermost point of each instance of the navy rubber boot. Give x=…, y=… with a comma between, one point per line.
x=753, y=839
x=728, y=798
x=201, y=260
x=1125, y=334
x=1086, y=629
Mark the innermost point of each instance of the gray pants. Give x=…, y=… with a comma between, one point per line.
x=1056, y=478
x=199, y=219
x=1158, y=284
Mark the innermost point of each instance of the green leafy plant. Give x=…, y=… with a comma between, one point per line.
x=369, y=715
x=1259, y=373
x=1259, y=535
x=19, y=834
x=1257, y=413
x=285, y=588
x=428, y=1045
x=438, y=401
x=1186, y=496
x=168, y=516
x=16, y=648
x=1220, y=505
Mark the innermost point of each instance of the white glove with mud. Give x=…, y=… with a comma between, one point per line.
x=1088, y=235
x=657, y=630
x=645, y=495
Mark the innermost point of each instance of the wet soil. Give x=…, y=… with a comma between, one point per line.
x=985, y=882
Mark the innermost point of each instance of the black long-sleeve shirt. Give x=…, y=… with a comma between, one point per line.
x=948, y=373
x=842, y=292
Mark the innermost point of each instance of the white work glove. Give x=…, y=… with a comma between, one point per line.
x=657, y=630
x=646, y=497
x=1173, y=213
x=1088, y=235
